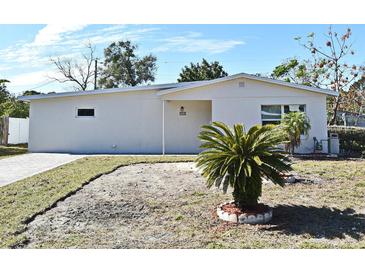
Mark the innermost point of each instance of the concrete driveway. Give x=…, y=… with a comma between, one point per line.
x=19, y=167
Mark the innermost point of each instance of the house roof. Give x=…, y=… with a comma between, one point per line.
x=251, y=77
x=164, y=89
x=102, y=91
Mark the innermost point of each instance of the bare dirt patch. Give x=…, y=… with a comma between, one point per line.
x=167, y=205
x=137, y=206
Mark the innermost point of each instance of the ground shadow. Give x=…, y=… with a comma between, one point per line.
x=11, y=150
x=319, y=222
x=309, y=157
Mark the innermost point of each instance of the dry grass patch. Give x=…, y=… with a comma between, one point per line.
x=12, y=150
x=168, y=206
x=21, y=201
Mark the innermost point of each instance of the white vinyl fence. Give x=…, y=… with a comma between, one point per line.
x=18, y=131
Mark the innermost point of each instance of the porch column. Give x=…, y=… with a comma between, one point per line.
x=163, y=127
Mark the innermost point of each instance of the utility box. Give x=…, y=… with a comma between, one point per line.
x=334, y=142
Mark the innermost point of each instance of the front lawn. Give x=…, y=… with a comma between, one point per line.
x=12, y=150
x=168, y=206
x=22, y=200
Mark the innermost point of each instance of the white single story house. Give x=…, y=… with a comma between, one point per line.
x=159, y=119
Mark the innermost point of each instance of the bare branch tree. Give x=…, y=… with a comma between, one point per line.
x=80, y=73
x=339, y=75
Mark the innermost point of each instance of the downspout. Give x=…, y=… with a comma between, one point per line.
x=163, y=127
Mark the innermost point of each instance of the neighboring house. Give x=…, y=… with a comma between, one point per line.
x=167, y=118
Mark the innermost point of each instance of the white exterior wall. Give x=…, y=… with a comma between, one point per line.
x=123, y=123
x=131, y=122
x=18, y=130
x=181, y=132
x=233, y=104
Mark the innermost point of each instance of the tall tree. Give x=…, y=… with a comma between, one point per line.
x=123, y=67
x=299, y=72
x=4, y=93
x=80, y=73
x=201, y=71
x=9, y=106
x=337, y=74
x=14, y=108
x=30, y=92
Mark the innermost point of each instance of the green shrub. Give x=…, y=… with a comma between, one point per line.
x=240, y=159
x=352, y=140
x=295, y=124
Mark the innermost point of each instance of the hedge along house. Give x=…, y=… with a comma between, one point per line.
x=159, y=119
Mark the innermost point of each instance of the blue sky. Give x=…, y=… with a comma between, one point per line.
x=25, y=50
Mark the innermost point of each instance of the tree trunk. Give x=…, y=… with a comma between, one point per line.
x=335, y=108
x=4, y=130
x=248, y=197
x=337, y=89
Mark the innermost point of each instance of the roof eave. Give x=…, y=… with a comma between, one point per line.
x=165, y=89
x=101, y=91
x=251, y=77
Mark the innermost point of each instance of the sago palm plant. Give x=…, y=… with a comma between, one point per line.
x=232, y=157
x=295, y=124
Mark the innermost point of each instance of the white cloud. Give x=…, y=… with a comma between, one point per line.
x=194, y=42
x=52, y=34
x=30, y=78
x=61, y=40
x=4, y=68
x=35, y=53
x=108, y=35
x=27, y=63
x=40, y=80
x=23, y=54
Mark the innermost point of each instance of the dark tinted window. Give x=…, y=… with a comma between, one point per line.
x=270, y=123
x=86, y=112
x=286, y=109
x=301, y=108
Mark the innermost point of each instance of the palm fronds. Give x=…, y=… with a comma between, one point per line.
x=295, y=124
x=240, y=159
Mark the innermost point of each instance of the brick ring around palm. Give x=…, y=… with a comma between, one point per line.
x=261, y=216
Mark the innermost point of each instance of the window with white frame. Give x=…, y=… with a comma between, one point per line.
x=272, y=114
